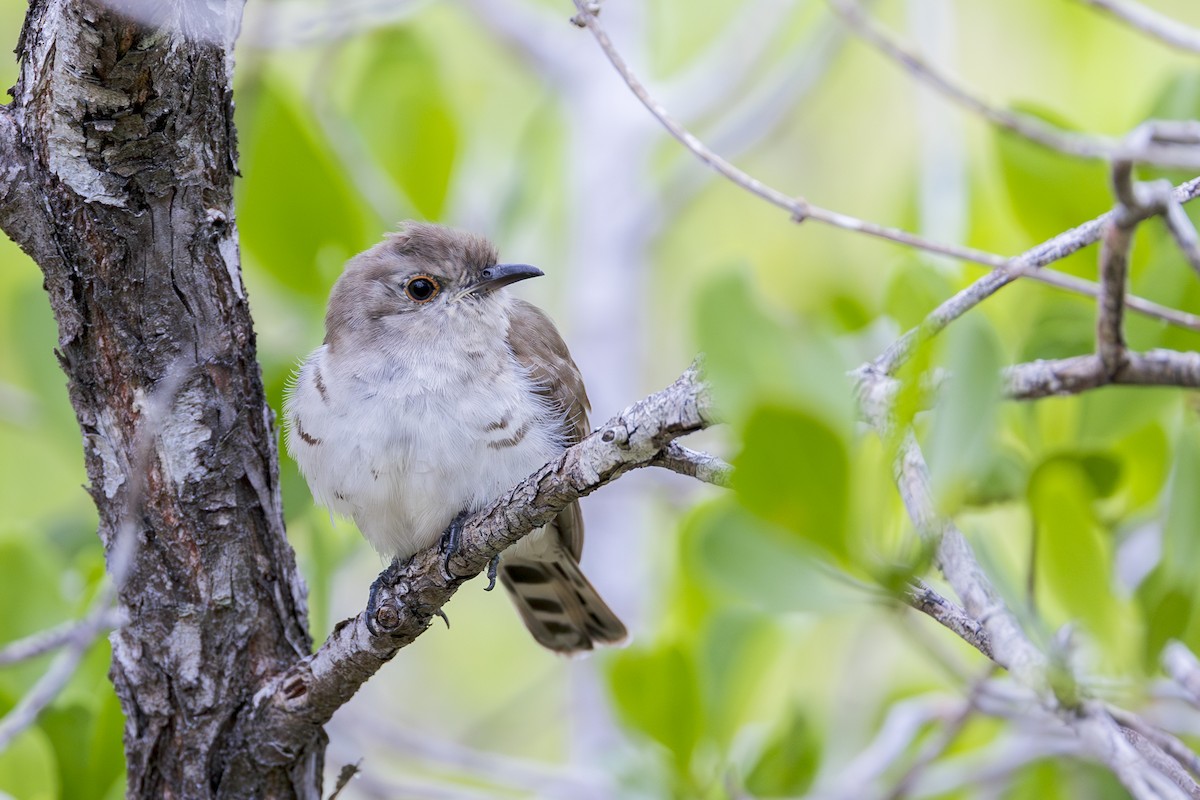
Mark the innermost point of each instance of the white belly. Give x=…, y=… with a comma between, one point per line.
x=403, y=451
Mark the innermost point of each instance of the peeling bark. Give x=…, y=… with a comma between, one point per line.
x=118, y=158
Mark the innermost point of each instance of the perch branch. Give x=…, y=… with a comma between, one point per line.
x=288, y=710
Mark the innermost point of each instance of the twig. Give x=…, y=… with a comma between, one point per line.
x=43, y=642
x=1168, y=743
x=1059, y=247
x=1114, y=269
x=952, y=616
x=694, y=463
x=1037, y=379
x=802, y=210
x=799, y=208
x=1163, y=763
x=1150, y=22
x=941, y=743
x=1184, y=668
x=1043, y=133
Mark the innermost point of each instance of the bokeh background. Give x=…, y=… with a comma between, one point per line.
x=766, y=656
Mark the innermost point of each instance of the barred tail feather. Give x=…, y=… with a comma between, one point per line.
x=558, y=605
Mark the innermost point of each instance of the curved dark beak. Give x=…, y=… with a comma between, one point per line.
x=501, y=275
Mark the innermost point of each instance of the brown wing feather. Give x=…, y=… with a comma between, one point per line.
x=537, y=346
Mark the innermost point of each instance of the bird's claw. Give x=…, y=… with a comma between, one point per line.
x=451, y=542
x=493, y=565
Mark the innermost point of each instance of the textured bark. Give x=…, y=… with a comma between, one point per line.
x=116, y=177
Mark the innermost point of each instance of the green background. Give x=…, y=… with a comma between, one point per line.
x=766, y=651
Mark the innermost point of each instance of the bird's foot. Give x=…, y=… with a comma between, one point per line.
x=452, y=542
x=376, y=608
x=493, y=565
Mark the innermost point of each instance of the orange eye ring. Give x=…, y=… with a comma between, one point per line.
x=422, y=288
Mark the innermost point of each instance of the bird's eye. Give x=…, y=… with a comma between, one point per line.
x=422, y=288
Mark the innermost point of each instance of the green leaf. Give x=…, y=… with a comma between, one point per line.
x=1181, y=545
x=735, y=655
x=1074, y=555
x=794, y=471
x=412, y=134
x=1048, y=191
x=915, y=289
x=298, y=217
x=657, y=694
x=756, y=358
x=789, y=762
x=964, y=423
x=758, y=563
x=27, y=768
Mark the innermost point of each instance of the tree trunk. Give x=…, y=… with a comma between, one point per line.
x=117, y=159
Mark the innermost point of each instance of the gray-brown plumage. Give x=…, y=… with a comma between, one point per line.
x=434, y=392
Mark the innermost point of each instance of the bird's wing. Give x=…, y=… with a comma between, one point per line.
x=538, y=347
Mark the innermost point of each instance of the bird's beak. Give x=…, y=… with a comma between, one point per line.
x=500, y=275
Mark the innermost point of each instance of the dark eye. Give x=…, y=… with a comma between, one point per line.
x=421, y=288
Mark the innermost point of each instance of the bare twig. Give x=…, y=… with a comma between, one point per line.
x=1059, y=247
x=802, y=210
x=1037, y=379
x=1150, y=22
x=952, y=616
x=695, y=463
x=1074, y=144
x=1168, y=743
x=799, y=208
x=945, y=737
x=43, y=642
x=1184, y=668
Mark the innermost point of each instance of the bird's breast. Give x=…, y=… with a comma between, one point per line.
x=404, y=448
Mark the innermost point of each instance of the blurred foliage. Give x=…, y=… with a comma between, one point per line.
x=767, y=651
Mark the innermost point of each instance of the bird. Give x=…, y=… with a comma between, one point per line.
x=435, y=391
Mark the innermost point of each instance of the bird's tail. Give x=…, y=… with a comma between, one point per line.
x=560, y=607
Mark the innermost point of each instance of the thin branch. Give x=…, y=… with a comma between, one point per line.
x=1150, y=22
x=1168, y=743
x=286, y=712
x=1059, y=247
x=1080, y=145
x=952, y=616
x=935, y=748
x=695, y=463
x=799, y=208
x=1114, y=270
x=1067, y=376
x=43, y=642
x=1163, y=763
x=1099, y=734
x=1184, y=668
x=802, y=210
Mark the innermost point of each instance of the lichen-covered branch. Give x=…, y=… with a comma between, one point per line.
x=289, y=711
